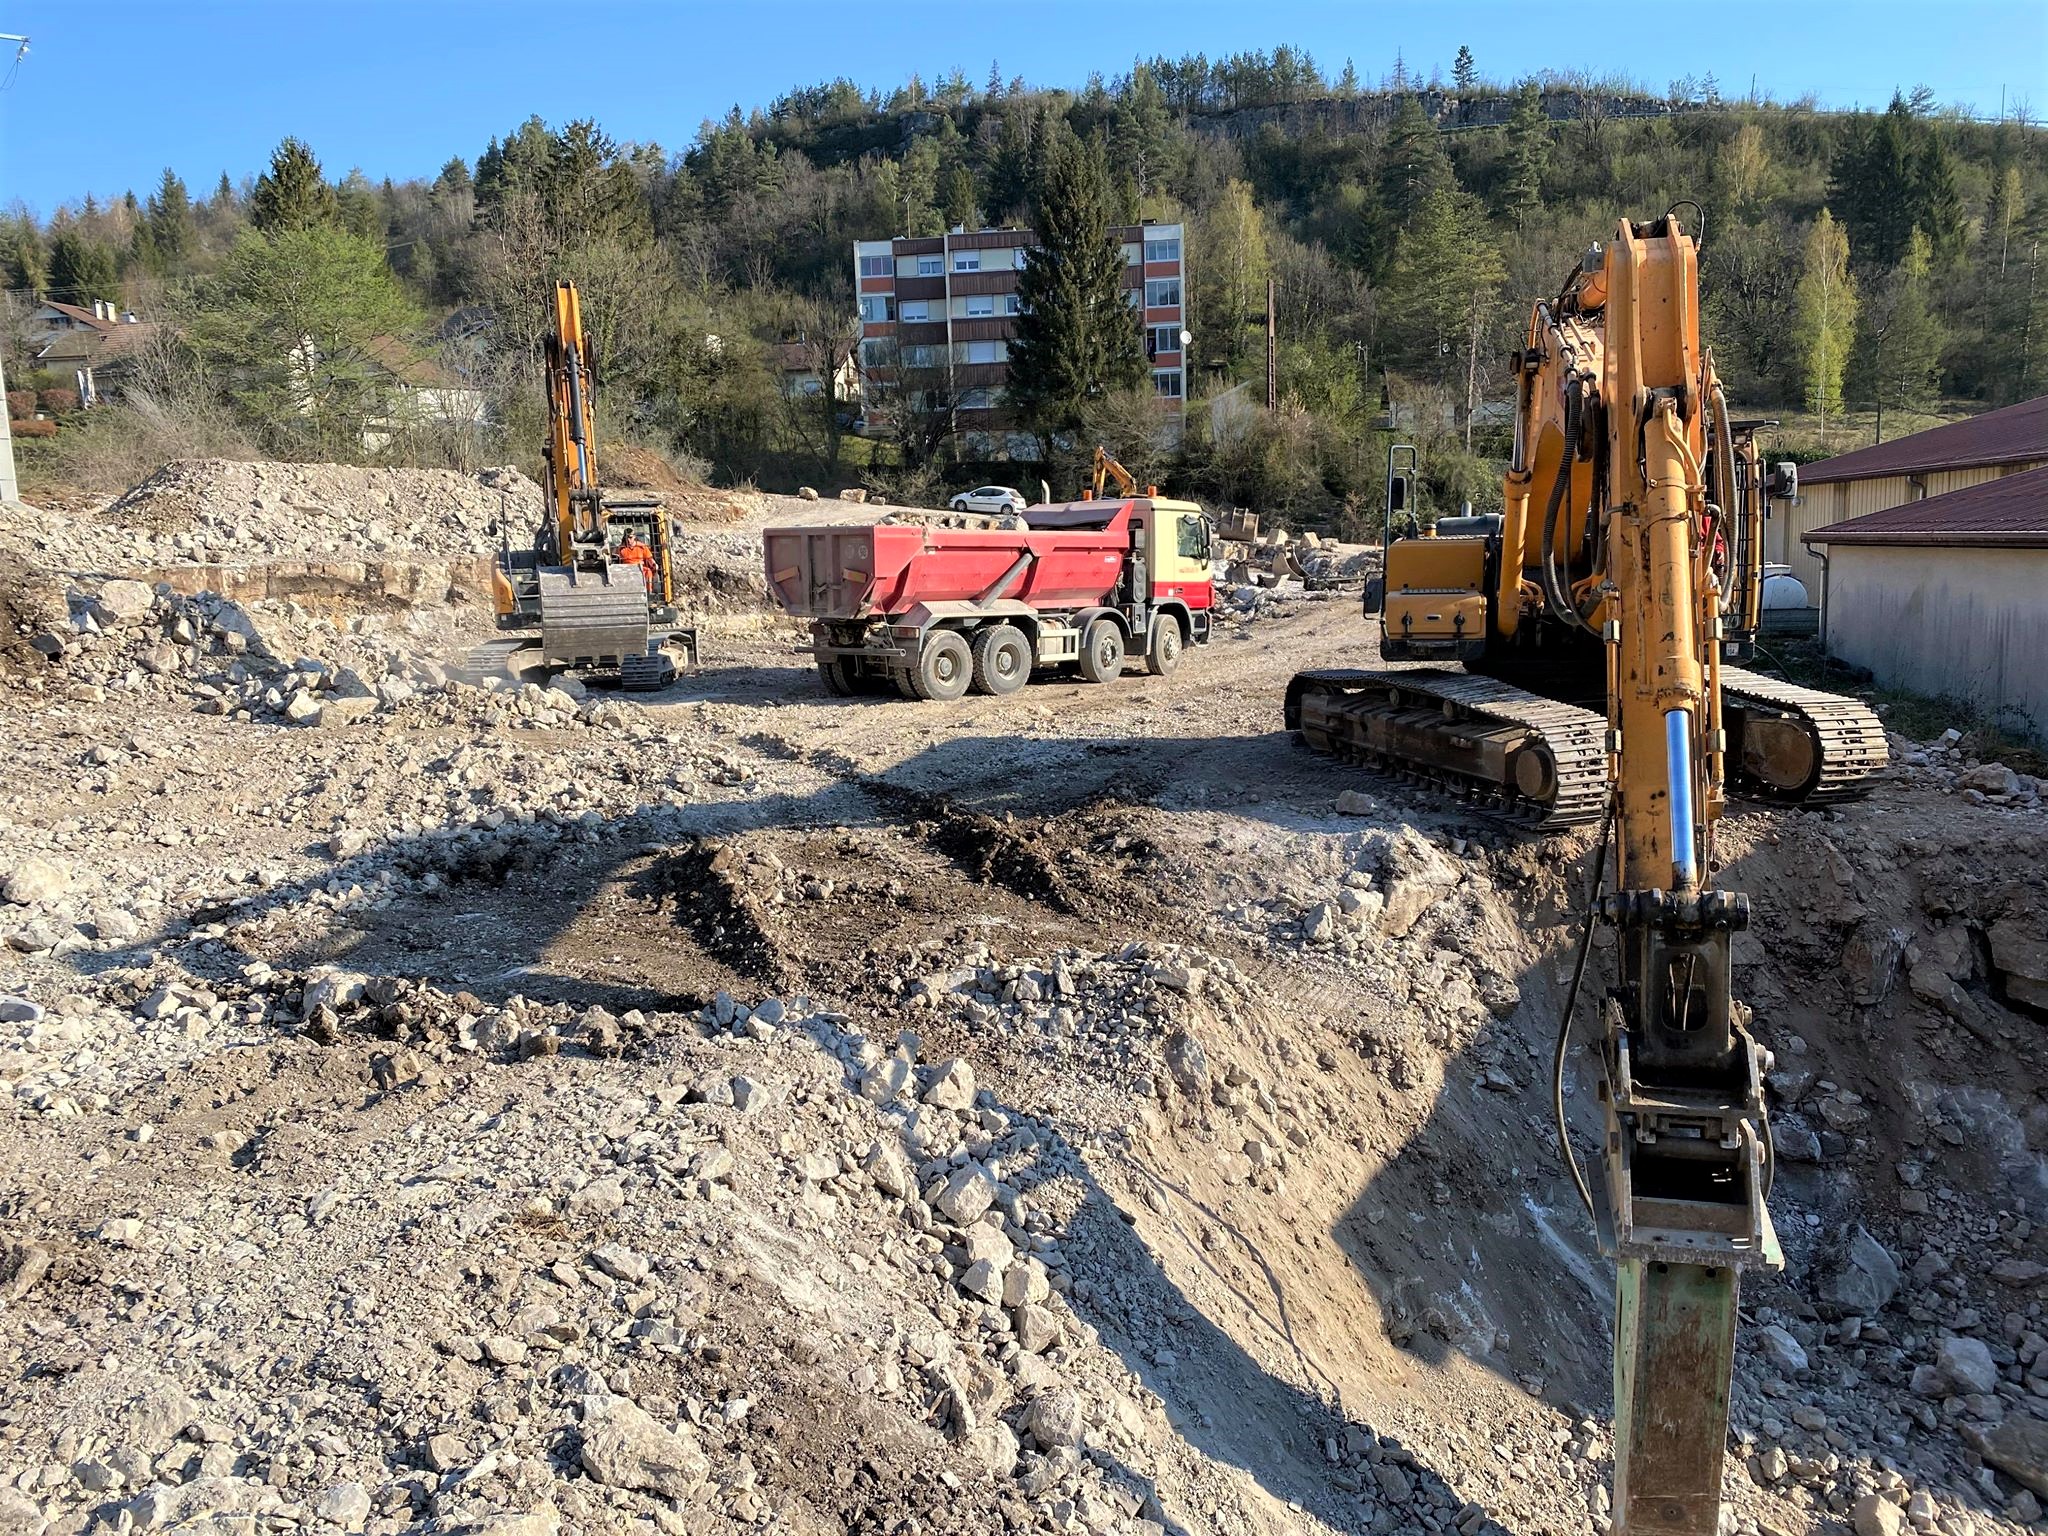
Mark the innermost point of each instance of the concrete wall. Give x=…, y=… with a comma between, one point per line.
x=1957, y=623
x=1819, y=506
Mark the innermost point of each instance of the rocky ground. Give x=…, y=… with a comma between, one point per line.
x=537, y=1110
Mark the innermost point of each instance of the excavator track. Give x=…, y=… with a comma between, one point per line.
x=1518, y=757
x=1799, y=744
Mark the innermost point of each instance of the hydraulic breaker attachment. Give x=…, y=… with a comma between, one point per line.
x=1688, y=1168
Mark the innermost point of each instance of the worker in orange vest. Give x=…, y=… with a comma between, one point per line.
x=635, y=551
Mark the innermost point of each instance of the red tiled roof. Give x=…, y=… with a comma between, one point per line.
x=82, y=316
x=2017, y=434
x=2011, y=511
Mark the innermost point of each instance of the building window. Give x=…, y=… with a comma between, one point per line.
x=1133, y=253
x=1132, y=296
x=1162, y=250
x=931, y=266
x=917, y=357
x=1013, y=304
x=980, y=304
x=877, y=307
x=1166, y=383
x=878, y=266
x=1161, y=338
x=877, y=352
x=967, y=261
x=913, y=310
x=1162, y=293
x=981, y=352
x=1022, y=257
x=976, y=400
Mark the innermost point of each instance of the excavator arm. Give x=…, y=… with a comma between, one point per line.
x=1624, y=421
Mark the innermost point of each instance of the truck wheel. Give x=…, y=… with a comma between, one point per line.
x=1164, y=658
x=944, y=667
x=1002, y=659
x=837, y=671
x=1102, y=652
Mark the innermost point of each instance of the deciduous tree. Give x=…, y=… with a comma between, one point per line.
x=1824, y=317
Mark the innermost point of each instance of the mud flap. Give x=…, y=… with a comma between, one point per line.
x=1674, y=1353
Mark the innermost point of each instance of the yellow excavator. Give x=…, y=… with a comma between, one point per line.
x=595, y=592
x=1592, y=618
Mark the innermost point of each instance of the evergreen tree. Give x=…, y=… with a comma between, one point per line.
x=1937, y=205
x=1528, y=152
x=1874, y=184
x=1077, y=339
x=1413, y=169
x=27, y=263
x=1347, y=82
x=1824, y=317
x=1141, y=132
x=357, y=207
x=292, y=194
x=1445, y=279
x=1465, y=73
x=82, y=269
x=223, y=195
x=172, y=233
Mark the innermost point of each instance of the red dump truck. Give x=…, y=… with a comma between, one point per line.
x=935, y=610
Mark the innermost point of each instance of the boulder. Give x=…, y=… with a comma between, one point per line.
x=2018, y=1447
x=966, y=1196
x=1863, y=1281
x=122, y=602
x=1876, y=1515
x=952, y=1085
x=1966, y=1365
x=1056, y=1419
x=2020, y=952
x=623, y=1447
x=36, y=882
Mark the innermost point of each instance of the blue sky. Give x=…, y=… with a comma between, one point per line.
x=112, y=91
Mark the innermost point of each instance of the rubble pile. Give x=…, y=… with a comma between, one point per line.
x=225, y=512
x=1947, y=764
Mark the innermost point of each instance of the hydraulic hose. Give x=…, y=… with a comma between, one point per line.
x=1554, y=591
x=1571, y=1003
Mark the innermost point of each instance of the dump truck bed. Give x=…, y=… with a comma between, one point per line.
x=854, y=571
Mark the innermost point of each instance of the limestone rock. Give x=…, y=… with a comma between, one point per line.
x=624, y=1447
x=2020, y=952
x=36, y=882
x=1966, y=1365
x=1056, y=1419
x=1863, y=1281
x=2018, y=1447
x=952, y=1085
x=966, y=1195
x=1876, y=1515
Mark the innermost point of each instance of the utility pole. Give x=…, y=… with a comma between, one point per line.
x=10, y=488
x=1272, y=354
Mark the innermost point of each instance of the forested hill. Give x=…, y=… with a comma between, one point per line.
x=1849, y=258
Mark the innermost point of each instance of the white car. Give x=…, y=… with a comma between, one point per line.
x=989, y=498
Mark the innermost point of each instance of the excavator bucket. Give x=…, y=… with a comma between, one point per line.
x=594, y=619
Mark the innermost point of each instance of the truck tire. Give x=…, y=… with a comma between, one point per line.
x=1102, y=651
x=944, y=666
x=841, y=675
x=1002, y=659
x=1163, y=660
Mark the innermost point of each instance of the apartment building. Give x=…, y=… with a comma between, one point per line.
x=938, y=313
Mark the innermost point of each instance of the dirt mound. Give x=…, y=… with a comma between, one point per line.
x=635, y=468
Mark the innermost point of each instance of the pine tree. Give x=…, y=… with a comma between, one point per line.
x=1824, y=317
x=1937, y=205
x=27, y=264
x=1446, y=276
x=1347, y=82
x=1413, y=169
x=1077, y=339
x=82, y=269
x=1465, y=73
x=172, y=234
x=356, y=205
x=223, y=195
x=1873, y=183
x=994, y=89
x=1141, y=132
x=1528, y=135
x=292, y=194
